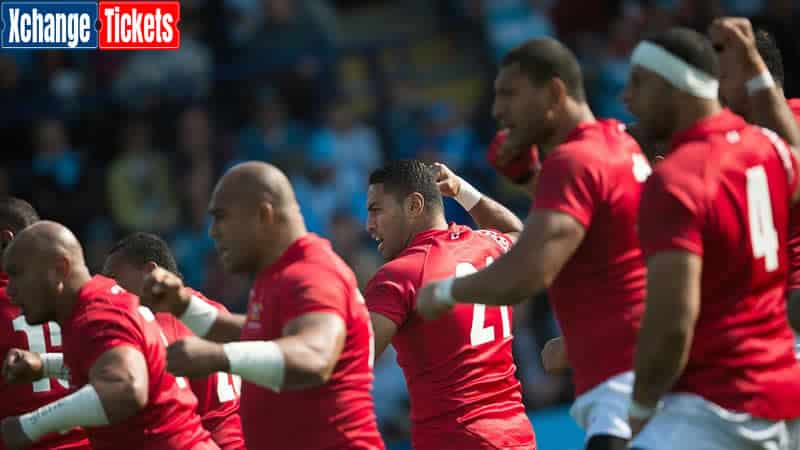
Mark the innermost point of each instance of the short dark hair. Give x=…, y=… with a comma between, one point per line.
x=140, y=248
x=404, y=177
x=691, y=47
x=771, y=54
x=543, y=59
x=16, y=214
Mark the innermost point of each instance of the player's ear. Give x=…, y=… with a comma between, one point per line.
x=414, y=204
x=557, y=91
x=60, y=270
x=266, y=213
x=150, y=266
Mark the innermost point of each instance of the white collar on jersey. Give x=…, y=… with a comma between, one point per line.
x=675, y=70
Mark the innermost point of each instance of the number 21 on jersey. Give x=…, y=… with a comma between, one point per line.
x=480, y=333
x=763, y=236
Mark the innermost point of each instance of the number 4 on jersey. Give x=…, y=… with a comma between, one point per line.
x=763, y=236
x=480, y=333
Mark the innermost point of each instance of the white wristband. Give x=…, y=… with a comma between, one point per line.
x=638, y=411
x=53, y=366
x=760, y=82
x=443, y=292
x=199, y=316
x=468, y=196
x=260, y=362
x=82, y=408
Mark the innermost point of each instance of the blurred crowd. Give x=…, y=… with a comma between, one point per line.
x=114, y=142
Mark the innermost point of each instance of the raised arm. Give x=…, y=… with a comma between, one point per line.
x=164, y=292
x=305, y=356
x=486, y=212
x=733, y=37
x=547, y=242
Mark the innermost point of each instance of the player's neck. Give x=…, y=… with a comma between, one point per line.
x=575, y=114
x=695, y=111
x=435, y=222
x=284, y=239
x=69, y=295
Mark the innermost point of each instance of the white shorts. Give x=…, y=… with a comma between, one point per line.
x=603, y=410
x=688, y=421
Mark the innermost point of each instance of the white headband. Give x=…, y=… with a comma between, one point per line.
x=680, y=74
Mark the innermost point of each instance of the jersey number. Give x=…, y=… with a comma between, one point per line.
x=641, y=168
x=229, y=387
x=763, y=236
x=36, y=344
x=479, y=333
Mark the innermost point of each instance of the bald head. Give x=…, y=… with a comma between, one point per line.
x=48, y=238
x=256, y=181
x=255, y=216
x=46, y=269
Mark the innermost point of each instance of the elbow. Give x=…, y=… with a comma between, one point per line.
x=316, y=371
x=321, y=372
x=132, y=398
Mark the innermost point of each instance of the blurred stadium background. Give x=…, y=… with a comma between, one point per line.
x=111, y=142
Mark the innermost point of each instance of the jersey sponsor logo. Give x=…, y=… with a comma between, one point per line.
x=67, y=25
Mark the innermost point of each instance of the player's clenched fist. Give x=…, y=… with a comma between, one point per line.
x=735, y=41
x=431, y=304
x=554, y=356
x=21, y=366
x=164, y=292
x=448, y=182
x=194, y=357
x=13, y=436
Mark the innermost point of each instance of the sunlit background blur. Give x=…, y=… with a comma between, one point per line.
x=113, y=142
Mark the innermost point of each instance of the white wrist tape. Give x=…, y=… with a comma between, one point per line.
x=638, y=411
x=199, y=316
x=259, y=362
x=53, y=366
x=760, y=82
x=443, y=292
x=468, y=196
x=82, y=408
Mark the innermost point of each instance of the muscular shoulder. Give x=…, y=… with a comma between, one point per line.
x=405, y=269
x=682, y=176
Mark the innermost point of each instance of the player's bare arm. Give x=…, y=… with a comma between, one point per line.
x=117, y=390
x=672, y=308
x=486, y=212
x=384, y=330
x=164, y=292
x=311, y=347
x=547, y=242
x=120, y=378
x=734, y=39
x=304, y=357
